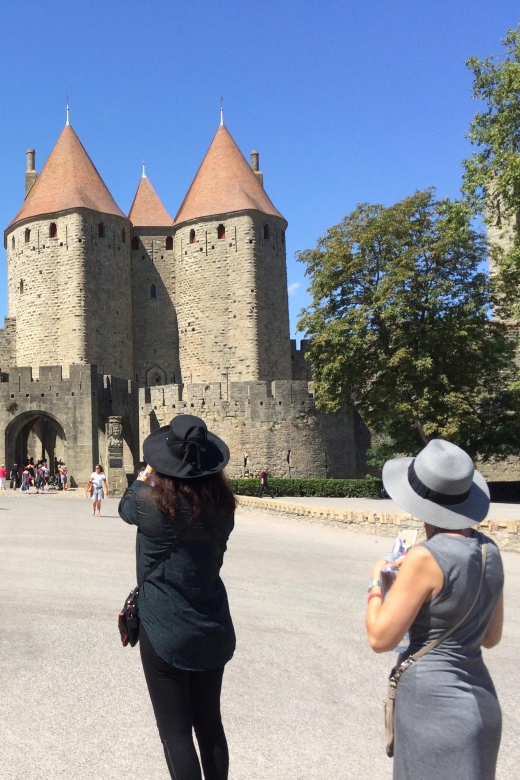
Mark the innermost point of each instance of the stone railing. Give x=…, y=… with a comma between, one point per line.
x=506, y=533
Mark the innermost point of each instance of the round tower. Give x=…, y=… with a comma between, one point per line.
x=231, y=278
x=68, y=263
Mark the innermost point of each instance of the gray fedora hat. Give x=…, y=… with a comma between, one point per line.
x=440, y=486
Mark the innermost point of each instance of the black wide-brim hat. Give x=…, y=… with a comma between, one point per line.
x=185, y=449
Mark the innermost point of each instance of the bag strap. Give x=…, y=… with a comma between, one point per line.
x=168, y=552
x=431, y=645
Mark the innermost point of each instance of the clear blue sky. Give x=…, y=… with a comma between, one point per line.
x=347, y=101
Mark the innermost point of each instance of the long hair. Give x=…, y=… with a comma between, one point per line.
x=212, y=492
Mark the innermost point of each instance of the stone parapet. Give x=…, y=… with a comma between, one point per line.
x=506, y=533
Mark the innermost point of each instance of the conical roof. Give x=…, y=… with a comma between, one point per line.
x=68, y=180
x=147, y=209
x=224, y=183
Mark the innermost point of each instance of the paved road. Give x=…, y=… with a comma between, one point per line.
x=302, y=697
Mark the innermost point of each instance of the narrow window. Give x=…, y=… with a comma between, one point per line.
x=53, y=230
x=266, y=231
x=21, y=286
x=135, y=243
x=27, y=235
x=221, y=231
x=123, y=236
x=12, y=242
x=192, y=236
x=101, y=230
x=169, y=242
x=283, y=236
x=153, y=291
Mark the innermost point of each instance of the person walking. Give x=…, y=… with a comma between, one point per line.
x=186, y=633
x=26, y=481
x=15, y=477
x=264, y=482
x=99, y=488
x=3, y=475
x=447, y=715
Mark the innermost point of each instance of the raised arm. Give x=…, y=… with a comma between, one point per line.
x=419, y=579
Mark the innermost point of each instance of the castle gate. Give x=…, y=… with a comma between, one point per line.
x=35, y=434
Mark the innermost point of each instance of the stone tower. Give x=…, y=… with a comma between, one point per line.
x=68, y=261
x=230, y=274
x=155, y=333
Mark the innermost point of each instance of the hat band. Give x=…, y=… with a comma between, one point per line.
x=432, y=495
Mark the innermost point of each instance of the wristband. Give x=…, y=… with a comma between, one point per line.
x=375, y=596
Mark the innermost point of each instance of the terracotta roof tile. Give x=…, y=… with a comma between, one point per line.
x=147, y=209
x=68, y=180
x=224, y=183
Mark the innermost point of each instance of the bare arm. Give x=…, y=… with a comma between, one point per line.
x=493, y=634
x=420, y=578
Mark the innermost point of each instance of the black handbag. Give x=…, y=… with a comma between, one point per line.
x=128, y=620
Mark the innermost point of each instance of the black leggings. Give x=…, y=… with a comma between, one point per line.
x=183, y=701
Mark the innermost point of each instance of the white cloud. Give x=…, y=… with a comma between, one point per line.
x=291, y=289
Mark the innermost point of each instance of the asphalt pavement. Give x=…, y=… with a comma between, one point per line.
x=302, y=697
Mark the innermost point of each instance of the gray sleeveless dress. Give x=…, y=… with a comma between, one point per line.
x=447, y=716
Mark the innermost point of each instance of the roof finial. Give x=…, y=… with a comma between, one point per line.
x=68, y=119
x=221, y=111
x=143, y=175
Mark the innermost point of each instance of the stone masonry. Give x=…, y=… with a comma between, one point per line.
x=263, y=423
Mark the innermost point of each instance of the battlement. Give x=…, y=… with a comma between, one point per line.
x=300, y=366
x=20, y=379
x=251, y=400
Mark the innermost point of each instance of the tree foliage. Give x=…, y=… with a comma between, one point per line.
x=399, y=326
x=492, y=174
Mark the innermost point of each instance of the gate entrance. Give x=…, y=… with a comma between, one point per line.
x=36, y=435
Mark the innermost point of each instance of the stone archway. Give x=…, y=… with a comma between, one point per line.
x=35, y=434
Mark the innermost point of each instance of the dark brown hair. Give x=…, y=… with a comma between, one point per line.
x=213, y=492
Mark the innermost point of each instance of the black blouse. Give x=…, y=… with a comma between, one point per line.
x=183, y=605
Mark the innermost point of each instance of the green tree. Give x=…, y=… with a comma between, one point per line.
x=491, y=182
x=399, y=326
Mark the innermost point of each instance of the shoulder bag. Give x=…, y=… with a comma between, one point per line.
x=128, y=620
x=398, y=671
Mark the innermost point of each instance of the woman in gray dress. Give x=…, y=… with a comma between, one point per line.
x=447, y=716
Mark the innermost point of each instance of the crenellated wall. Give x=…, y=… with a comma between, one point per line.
x=273, y=423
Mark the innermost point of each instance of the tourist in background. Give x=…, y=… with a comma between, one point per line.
x=264, y=482
x=63, y=478
x=3, y=475
x=26, y=481
x=15, y=477
x=447, y=715
x=99, y=488
x=186, y=633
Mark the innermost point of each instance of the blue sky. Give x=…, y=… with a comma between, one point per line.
x=348, y=102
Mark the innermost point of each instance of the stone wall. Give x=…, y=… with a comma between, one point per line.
x=231, y=301
x=301, y=368
x=263, y=423
x=154, y=323
x=8, y=344
x=70, y=294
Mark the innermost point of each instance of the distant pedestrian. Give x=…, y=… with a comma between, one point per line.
x=63, y=478
x=100, y=487
x=15, y=477
x=26, y=481
x=3, y=475
x=264, y=482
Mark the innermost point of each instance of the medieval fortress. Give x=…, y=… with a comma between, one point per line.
x=117, y=323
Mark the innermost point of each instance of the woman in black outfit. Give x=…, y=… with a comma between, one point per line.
x=186, y=633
